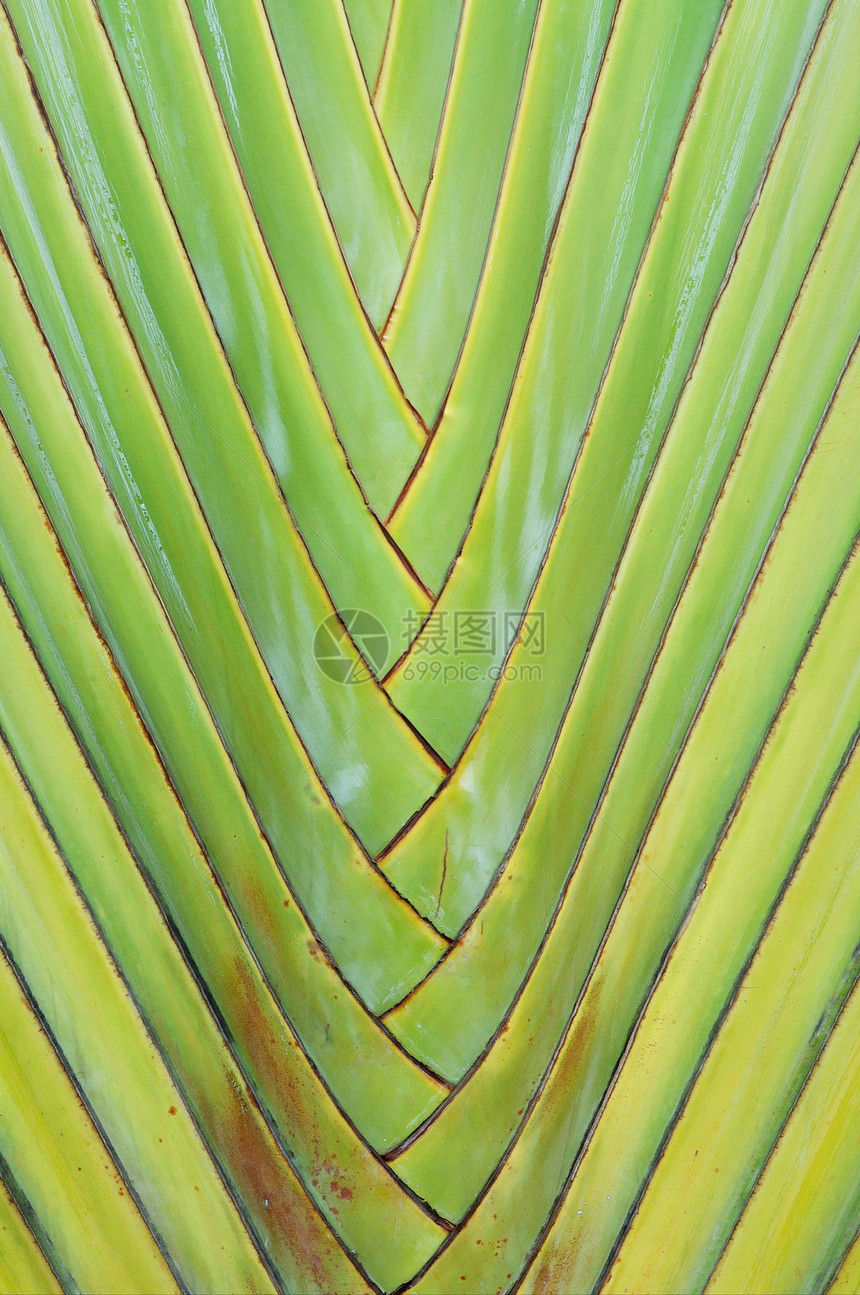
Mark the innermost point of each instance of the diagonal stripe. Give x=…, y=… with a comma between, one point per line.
x=500, y=581
x=413, y=84
x=431, y=310
x=92, y=1229
x=578, y=925
x=94, y=1019
x=736, y=1106
x=734, y=362
x=184, y=131
x=357, y=177
x=175, y=333
x=846, y=1280
x=380, y=431
x=552, y=403
x=369, y=22
x=670, y=305
x=806, y=1200
x=283, y=598
x=222, y=1107
x=735, y=984
x=631, y=1109
x=753, y=682
x=329, y=1021
x=507, y=1082
x=23, y=1265
x=293, y=806
x=294, y=811
x=432, y=515
x=307, y=1123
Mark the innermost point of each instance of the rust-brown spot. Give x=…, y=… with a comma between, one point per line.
x=542, y=1277
x=291, y=1222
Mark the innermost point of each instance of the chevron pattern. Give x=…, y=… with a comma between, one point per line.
x=429, y=622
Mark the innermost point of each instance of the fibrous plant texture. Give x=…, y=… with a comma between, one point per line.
x=429, y=646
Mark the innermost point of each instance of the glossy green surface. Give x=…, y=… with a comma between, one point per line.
x=611, y=202
x=353, y=965
x=91, y=1226
x=736, y=1111
x=23, y=1266
x=371, y=213
x=847, y=1280
x=482, y=973
x=431, y=310
x=379, y=431
x=342, y=895
x=433, y=514
x=308, y=1125
x=138, y=455
x=806, y=1200
x=704, y=966
x=510, y=1072
x=315, y=998
x=369, y=21
x=716, y=172
x=717, y=758
x=93, y=1017
x=413, y=85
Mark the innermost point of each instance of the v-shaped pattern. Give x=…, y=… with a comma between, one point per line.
x=391, y=395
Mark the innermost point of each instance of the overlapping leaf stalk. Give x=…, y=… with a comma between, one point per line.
x=490, y=961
